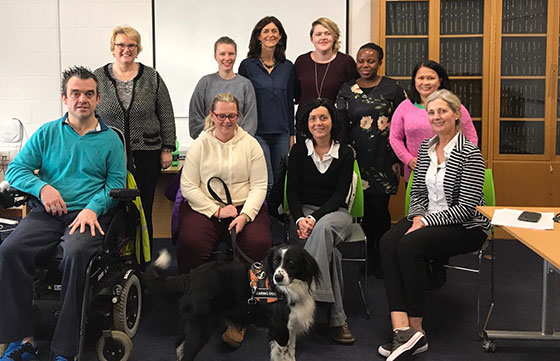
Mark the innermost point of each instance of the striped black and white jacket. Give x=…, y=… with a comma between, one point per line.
x=462, y=184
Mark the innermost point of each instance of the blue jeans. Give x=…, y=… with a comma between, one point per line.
x=274, y=147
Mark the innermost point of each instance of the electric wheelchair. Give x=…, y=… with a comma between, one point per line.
x=112, y=294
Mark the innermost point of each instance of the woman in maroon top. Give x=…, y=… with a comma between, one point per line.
x=321, y=72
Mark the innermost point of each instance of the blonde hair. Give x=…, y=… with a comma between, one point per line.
x=222, y=97
x=331, y=27
x=128, y=31
x=452, y=101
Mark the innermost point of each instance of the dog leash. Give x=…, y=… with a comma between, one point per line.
x=236, y=250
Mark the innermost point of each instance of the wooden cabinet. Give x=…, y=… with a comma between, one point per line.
x=502, y=58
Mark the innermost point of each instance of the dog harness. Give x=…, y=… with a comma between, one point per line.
x=261, y=291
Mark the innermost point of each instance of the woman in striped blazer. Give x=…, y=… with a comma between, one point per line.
x=442, y=221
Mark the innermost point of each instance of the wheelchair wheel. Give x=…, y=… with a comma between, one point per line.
x=126, y=312
x=119, y=349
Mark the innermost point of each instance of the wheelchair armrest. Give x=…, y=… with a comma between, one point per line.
x=124, y=194
x=12, y=197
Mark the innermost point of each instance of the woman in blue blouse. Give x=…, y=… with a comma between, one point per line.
x=272, y=76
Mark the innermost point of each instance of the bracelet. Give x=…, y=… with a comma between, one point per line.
x=218, y=216
x=166, y=150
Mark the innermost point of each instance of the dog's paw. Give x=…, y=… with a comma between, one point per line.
x=180, y=351
x=163, y=260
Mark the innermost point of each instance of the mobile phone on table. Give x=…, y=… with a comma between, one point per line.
x=529, y=217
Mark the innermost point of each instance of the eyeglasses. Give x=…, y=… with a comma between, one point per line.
x=76, y=94
x=232, y=116
x=129, y=46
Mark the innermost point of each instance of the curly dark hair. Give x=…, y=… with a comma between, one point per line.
x=303, y=121
x=80, y=72
x=255, y=44
x=445, y=83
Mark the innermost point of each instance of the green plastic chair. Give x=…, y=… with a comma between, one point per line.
x=490, y=200
x=356, y=238
x=487, y=190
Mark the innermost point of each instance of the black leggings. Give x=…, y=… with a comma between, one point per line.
x=404, y=259
x=377, y=220
x=148, y=167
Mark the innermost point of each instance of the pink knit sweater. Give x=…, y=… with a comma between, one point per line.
x=410, y=126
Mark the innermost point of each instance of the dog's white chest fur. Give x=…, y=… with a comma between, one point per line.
x=299, y=295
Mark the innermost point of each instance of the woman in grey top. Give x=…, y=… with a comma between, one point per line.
x=135, y=100
x=224, y=81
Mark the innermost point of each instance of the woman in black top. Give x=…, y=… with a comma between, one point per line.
x=365, y=107
x=319, y=177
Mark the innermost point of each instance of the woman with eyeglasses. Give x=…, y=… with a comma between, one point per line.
x=135, y=100
x=227, y=151
x=272, y=76
x=223, y=81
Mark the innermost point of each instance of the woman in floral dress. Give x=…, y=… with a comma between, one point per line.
x=366, y=106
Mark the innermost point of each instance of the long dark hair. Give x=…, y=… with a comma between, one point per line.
x=445, y=83
x=303, y=121
x=255, y=44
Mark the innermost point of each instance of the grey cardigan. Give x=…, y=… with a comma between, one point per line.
x=148, y=123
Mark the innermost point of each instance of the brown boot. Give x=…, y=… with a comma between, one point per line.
x=342, y=334
x=233, y=336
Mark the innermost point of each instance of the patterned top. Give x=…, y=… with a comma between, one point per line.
x=148, y=123
x=125, y=89
x=366, y=115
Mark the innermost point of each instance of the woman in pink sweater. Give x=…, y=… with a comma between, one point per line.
x=410, y=124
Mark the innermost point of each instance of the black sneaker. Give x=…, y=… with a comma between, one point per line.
x=386, y=349
x=406, y=342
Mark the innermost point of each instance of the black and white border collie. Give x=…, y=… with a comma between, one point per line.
x=214, y=292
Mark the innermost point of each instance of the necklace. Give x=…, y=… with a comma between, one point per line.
x=268, y=66
x=320, y=90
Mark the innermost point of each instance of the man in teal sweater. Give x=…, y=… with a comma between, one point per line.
x=79, y=160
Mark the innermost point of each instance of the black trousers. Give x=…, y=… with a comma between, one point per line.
x=377, y=220
x=148, y=167
x=35, y=238
x=404, y=259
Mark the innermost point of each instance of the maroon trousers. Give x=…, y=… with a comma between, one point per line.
x=198, y=236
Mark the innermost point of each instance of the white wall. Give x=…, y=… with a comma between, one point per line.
x=40, y=38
